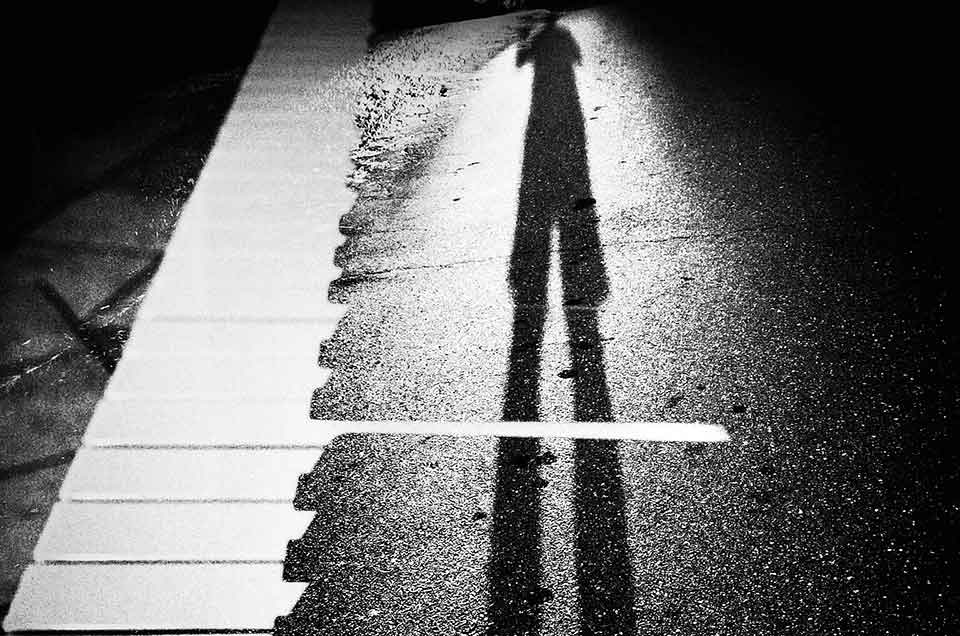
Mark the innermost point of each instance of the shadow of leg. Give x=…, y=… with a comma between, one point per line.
x=521, y=400
x=604, y=572
x=515, y=568
x=591, y=398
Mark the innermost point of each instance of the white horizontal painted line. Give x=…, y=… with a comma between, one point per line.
x=651, y=431
x=95, y=531
x=180, y=338
x=146, y=423
x=206, y=423
x=136, y=474
x=99, y=597
x=215, y=378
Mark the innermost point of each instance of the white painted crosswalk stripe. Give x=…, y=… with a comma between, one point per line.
x=176, y=511
x=237, y=304
x=179, y=339
x=215, y=378
x=300, y=236
x=201, y=270
x=196, y=474
x=175, y=532
x=168, y=596
x=277, y=423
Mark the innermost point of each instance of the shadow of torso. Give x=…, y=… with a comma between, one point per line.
x=555, y=183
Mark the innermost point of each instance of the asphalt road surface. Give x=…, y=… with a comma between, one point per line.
x=614, y=229
x=606, y=216
x=605, y=227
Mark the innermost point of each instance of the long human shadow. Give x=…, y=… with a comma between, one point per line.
x=555, y=198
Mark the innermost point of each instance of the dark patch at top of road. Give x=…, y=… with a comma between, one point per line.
x=391, y=16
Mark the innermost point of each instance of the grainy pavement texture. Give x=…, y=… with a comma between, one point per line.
x=593, y=214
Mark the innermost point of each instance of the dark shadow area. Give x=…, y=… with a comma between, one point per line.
x=604, y=574
x=104, y=342
x=515, y=568
x=555, y=199
x=94, y=75
x=871, y=282
x=867, y=77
